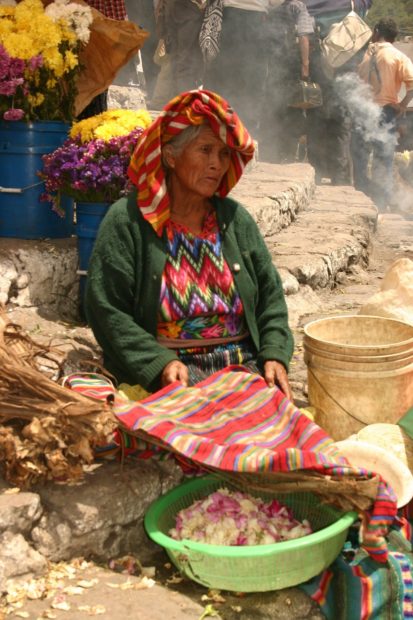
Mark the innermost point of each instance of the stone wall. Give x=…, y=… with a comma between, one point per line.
x=99, y=518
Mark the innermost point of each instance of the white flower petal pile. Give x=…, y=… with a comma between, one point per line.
x=235, y=518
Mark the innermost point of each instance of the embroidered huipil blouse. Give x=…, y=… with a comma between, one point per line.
x=199, y=303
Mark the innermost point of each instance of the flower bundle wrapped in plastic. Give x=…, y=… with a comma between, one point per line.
x=39, y=58
x=91, y=164
x=235, y=518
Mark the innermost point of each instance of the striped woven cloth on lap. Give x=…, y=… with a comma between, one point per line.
x=232, y=422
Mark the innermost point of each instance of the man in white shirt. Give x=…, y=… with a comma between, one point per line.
x=385, y=69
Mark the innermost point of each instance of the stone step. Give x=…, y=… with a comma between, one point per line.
x=275, y=193
x=330, y=236
x=313, y=235
x=42, y=273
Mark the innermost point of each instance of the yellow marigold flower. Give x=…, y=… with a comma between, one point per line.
x=71, y=60
x=109, y=130
x=66, y=33
x=49, y=36
x=110, y=124
x=54, y=61
x=84, y=129
x=6, y=11
x=18, y=45
x=35, y=100
x=28, y=9
x=51, y=83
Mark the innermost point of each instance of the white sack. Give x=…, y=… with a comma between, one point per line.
x=395, y=299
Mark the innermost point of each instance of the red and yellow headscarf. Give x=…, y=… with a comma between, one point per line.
x=190, y=108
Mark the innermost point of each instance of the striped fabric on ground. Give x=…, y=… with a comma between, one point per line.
x=361, y=589
x=234, y=423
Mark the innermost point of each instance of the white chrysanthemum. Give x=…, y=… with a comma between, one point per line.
x=77, y=16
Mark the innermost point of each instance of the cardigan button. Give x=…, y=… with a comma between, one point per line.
x=236, y=267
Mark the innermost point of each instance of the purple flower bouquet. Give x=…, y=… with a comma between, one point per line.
x=93, y=171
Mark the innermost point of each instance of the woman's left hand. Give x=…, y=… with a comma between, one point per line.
x=275, y=374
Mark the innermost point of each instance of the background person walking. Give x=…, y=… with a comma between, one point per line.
x=386, y=69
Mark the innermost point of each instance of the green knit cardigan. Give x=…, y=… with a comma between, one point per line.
x=123, y=290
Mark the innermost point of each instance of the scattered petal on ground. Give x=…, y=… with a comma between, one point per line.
x=87, y=583
x=93, y=610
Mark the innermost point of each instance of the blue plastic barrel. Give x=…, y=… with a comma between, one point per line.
x=22, y=215
x=88, y=218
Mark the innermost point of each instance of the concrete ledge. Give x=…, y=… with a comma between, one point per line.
x=99, y=518
x=332, y=235
x=42, y=273
x=275, y=193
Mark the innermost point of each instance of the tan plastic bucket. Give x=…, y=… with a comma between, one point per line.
x=360, y=371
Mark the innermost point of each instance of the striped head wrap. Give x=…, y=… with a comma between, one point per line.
x=190, y=108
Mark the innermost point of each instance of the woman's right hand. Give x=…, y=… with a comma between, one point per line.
x=174, y=371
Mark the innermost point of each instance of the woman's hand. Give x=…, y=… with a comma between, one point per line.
x=275, y=374
x=174, y=371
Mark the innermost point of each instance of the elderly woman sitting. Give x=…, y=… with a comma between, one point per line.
x=180, y=283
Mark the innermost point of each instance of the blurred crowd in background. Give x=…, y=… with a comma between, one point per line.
x=256, y=54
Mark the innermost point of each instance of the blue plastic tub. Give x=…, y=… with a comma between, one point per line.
x=22, y=215
x=88, y=218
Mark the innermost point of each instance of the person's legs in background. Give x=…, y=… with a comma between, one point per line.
x=360, y=149
x=383, y=159
x=338, y=151
x=280, y=131
x=317, y=139
x=281, y=126
x=239, y=71
x=98, y=105
x=164, y=88
x=142, y=13
x=184, y=20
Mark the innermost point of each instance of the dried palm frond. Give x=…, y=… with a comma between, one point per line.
x=47, y=431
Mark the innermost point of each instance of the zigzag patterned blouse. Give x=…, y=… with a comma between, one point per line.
x=199, y=300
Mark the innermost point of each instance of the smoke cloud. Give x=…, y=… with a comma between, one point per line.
x=357, y=96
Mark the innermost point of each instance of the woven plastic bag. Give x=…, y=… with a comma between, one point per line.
x=112, y=44
x=344, y=40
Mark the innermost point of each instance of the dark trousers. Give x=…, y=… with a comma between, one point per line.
x=329, y=129
x=142, y=13
x=184, y=20
x=328, y=143
x=381, y=146
x=98, y=105
x=239, y=71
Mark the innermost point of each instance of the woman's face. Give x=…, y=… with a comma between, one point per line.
x=201, y=165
